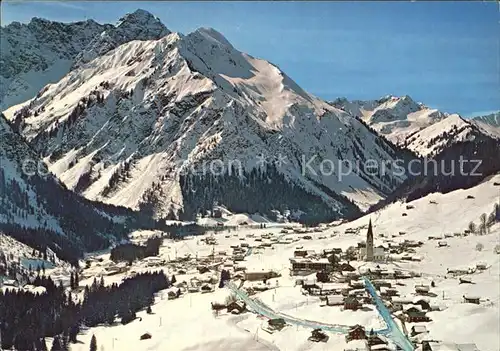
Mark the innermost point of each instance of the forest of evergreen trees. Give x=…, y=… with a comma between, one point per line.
x=27, y=318
x=259, y=191
x=130, y=252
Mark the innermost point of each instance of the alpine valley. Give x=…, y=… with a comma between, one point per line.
x=128, y=142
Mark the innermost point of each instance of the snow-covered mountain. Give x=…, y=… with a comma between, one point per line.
x=129, y=126
x=391, y=116
x=36, y=209
x=42, y=51
x=436, y=137
x=139, y=25
x=490, y=124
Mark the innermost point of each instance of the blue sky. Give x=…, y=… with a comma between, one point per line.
x=444, y=54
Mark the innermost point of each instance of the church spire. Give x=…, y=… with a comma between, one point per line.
x=369, y=242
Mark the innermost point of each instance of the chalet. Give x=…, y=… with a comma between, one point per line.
x=422, y=289
x=300, y=253
x=472, y=299
x=334, y=300
x=414, y=313
x=206, y=288
x=356, y=292
x=388, y=291
x=173, y=293
x=357, y=332
x=351, y=303
x=458, y=271
x=418, y=329
x=333, y=251
x=276, y=323
x=260, y=286
x=357, y=284
x=376, y=340
x=236, y=307
x=399, y=302
x=304, y=266
x=317, y=335
x=465, y=280
x=260, y=275
x=145, y=336
x=412, y=243
x=481, y=266
x=345, y=267
x=442, y=243
x=388, y=273
x=422, y=302
x=378, y=283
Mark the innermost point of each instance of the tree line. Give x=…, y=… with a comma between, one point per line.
x=26, y=319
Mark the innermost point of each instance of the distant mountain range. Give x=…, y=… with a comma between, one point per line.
x=136, y=114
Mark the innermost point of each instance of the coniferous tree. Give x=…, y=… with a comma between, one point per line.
x=56, y=344
x=93, y=344
x=483, y=228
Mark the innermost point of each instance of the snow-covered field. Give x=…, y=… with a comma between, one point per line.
x=188, y=323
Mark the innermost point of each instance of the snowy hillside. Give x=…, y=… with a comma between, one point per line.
x=42, y=51
x=435, y=138
x=122, y=127
x=40, y=212
x=452, y=320
x=490, y=124
x=392, y=116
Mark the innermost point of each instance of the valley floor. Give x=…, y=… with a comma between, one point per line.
x=188, y=323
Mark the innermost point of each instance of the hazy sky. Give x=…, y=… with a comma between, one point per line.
x=445, y=54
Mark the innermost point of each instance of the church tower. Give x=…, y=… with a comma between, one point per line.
x=369, y=242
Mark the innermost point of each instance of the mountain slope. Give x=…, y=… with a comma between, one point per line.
x=457, y=154
x=391, y=116
x=490, y=124
x=135, y=126
x=436, y=137
x=38, y=211
x=41, y=52
x=38, y=53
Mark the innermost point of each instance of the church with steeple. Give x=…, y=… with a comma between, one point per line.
x=368, y=252
x=369, y=242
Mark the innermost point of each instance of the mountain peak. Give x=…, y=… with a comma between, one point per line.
x=212, y=35
x=143, y=25
x=138, y=25
x=142, y=17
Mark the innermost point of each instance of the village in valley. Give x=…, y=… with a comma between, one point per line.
x=397, y=279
